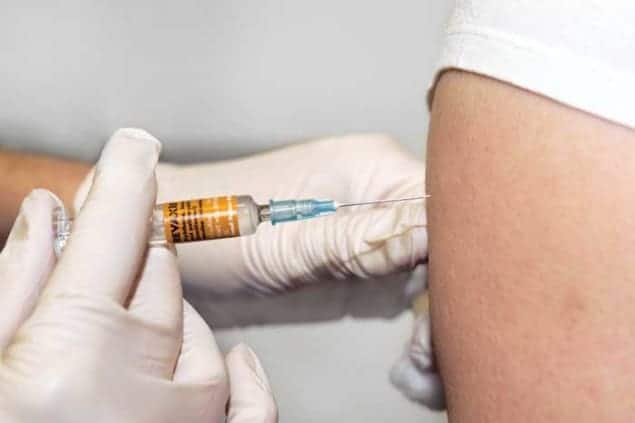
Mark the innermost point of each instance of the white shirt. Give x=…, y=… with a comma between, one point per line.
x=580, y=53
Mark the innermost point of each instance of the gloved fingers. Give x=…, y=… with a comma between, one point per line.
x=424, y=387
x=386, y=240
x=251, y=399
x=200, y=360
x=157, y=301
x=26, y=261
x=110, y=234
x=362, y=243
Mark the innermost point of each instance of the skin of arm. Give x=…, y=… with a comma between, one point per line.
x=532, y=256
x=22, y=172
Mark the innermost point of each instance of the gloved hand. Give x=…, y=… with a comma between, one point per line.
x=361, y=243
x=104, y=335
x=415, y=373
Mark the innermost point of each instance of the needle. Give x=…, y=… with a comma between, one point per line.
x=396, y=200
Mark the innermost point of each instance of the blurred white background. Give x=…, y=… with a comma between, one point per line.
x=217, y=79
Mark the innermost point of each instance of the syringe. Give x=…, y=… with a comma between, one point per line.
x=220, y=217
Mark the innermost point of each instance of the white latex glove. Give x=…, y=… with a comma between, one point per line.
x=415, y=373
x=362, y=243
x=251, y=399
x=104, y=335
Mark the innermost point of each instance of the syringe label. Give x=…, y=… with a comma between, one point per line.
x=201, y=219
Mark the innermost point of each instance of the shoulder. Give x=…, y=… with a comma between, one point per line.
x=578, y=54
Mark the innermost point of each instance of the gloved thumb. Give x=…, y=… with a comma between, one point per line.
x=251, y=399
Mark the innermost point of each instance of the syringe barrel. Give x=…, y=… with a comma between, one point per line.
x=186, y=221
x=204, y=219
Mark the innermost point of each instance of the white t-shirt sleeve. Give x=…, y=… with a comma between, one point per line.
x=580, y=53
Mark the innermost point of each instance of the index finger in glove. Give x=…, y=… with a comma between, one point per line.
x=251, y=399
x=110, y=234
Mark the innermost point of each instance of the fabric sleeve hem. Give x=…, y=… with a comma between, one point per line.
x=570, y=79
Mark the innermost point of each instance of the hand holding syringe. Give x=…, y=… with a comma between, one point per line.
x=221, y=217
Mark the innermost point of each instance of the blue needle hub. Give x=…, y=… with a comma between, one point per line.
x=291, y=210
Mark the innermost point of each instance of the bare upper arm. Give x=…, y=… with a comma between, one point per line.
x=532, y=256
